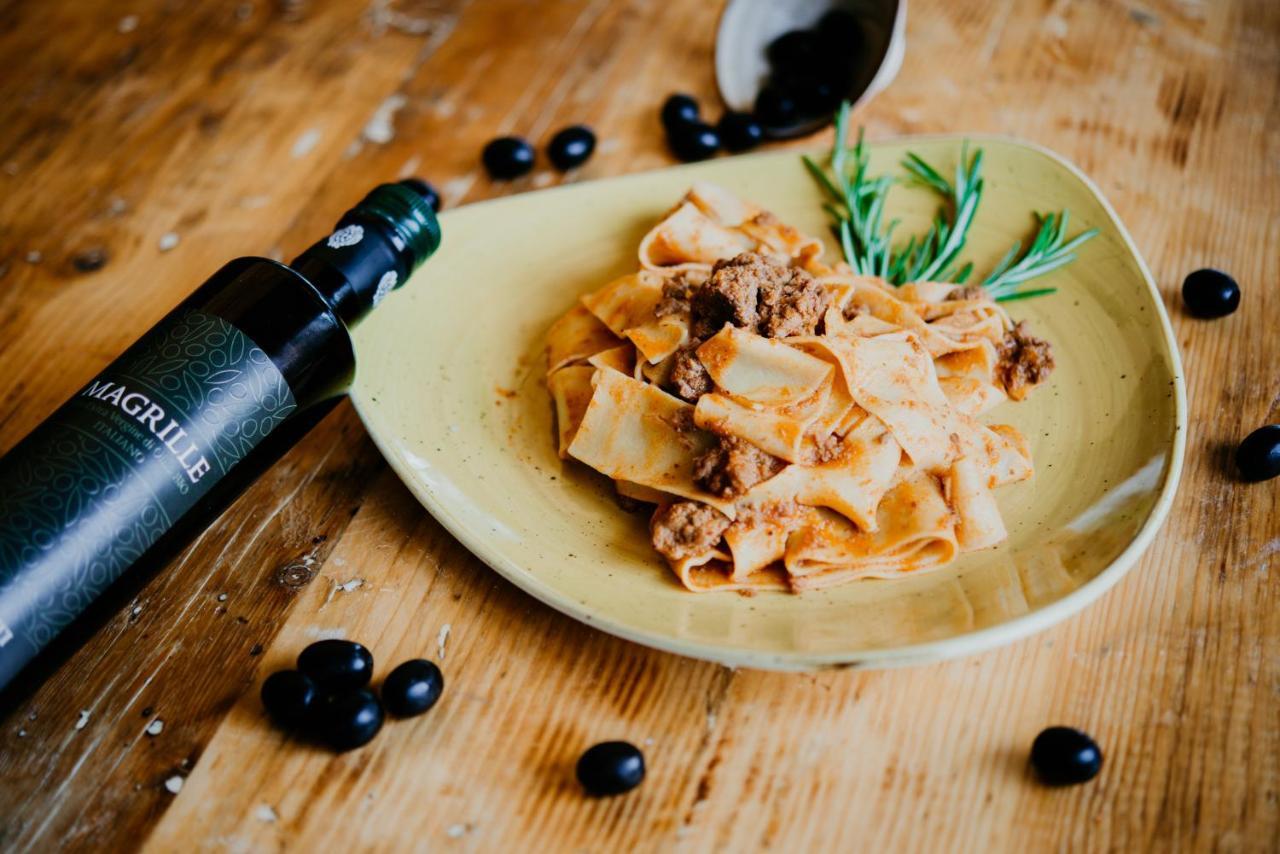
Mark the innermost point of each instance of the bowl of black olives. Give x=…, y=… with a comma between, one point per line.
x=791, y=62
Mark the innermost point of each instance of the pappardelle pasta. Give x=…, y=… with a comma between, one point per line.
x=795, y=426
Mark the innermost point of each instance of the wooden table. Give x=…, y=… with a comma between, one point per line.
x=244, y=128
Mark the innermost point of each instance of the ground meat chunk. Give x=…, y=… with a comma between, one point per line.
x=1025, y=361
x=731, y=294
x=689, y=378
x=968, y=292
x=760, y=294
x=792, y=307
x=676, y=294
x=687, y=529
x=681, y=421
x=768, y=513
x=827, y=449
x=733, y=466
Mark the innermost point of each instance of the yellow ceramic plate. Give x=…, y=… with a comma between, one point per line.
x=451, y=387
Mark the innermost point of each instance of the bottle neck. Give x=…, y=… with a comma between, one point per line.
x=354, y=269
x=373, y=250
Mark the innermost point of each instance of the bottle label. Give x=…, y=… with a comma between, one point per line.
x=113, y=469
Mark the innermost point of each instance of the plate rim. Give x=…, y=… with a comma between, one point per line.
x=968, y=643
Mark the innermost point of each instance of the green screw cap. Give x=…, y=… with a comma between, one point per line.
x=412, y=222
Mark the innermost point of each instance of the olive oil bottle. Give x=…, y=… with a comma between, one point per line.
x=161, y=441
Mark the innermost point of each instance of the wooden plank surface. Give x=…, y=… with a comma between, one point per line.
x=243, y=128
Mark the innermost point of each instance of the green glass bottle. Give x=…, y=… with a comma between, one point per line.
x=162, y=440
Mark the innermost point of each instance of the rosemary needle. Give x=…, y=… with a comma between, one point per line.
x=1037, y=292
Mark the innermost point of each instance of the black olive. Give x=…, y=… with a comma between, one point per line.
x=1258, y=456
x=696, y=141
x=822, y=97
x=1061, y=756
x=571, y=147
x=840, y=31
x=1210, y=293
x=815, y=95
x=288, y=697
x=508, y=157
x=777, y=109
x=739, y=131
x=679, y=109
x=840, y=72
x=337, y=665
x=412, y=688
x=611, y=768
x=347, y=720
x=424, y=189
x=795, y=50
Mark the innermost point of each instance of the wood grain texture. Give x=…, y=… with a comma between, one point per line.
x=245, y=127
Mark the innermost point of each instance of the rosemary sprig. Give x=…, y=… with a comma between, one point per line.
x=857, y=208
x=1047, y=252
x=946, y=238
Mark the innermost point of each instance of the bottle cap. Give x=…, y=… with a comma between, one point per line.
x=410, y=220
x=372, y=251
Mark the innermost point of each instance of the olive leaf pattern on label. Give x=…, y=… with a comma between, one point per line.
x=233, y=394
x=71, y=482
x=98, y=484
